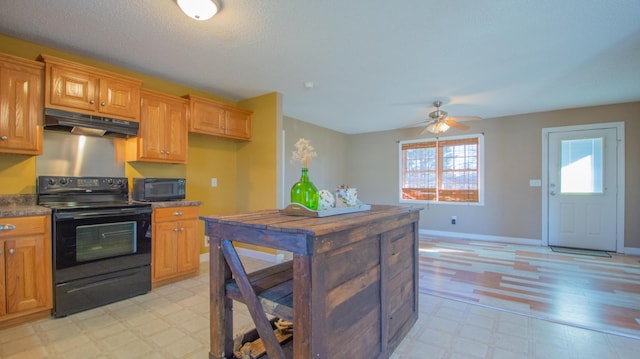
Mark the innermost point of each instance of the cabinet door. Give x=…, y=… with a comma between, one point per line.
x=175, y=129
x=238, y=124
x=165, y=248
x=20, y=110
x=151, y=136
x=3, y=292
x=163, y=129
x=207, y=118
x=27, y=273
x=189, y=246
x=119, y=98
x=72, y=88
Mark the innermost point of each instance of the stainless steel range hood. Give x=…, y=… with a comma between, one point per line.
x=81, y=124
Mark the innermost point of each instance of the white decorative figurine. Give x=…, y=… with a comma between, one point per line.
x=346, y=197
x=325, y=200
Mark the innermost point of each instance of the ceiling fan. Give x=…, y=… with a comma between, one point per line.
x=441, y=122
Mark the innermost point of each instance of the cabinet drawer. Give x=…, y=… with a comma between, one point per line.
x=175, y=213
x=23, y=226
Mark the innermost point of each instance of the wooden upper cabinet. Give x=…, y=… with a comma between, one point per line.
x=215, y=118
x=21, y=105
x=163, y=128
x=79, y=88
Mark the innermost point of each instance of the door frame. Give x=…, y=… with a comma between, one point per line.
x=620, y=193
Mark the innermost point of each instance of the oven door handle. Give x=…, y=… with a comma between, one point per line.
x=102, y=214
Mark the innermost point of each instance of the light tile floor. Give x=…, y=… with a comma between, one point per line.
x=172, y=322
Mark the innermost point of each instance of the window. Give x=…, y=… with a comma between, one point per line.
x=441, y=170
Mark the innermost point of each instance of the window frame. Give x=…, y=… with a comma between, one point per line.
x=435, y=142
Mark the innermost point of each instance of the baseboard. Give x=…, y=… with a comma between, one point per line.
x=632, y=251
x=251, y=253
x=480, y=237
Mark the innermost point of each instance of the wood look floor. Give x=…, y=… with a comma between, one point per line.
x=596, y=293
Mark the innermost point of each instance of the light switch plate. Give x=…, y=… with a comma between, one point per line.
x=214, y=182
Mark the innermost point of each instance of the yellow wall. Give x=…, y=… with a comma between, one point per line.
x=257, y=176
x=245, y=171
x=17, y=174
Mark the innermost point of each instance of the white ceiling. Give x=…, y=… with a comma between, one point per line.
x=376, y=65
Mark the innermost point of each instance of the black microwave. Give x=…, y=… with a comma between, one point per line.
x=159, y=189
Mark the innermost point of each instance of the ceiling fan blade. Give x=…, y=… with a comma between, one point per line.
x=417, y=124
x=464, y=118
x=459, y=126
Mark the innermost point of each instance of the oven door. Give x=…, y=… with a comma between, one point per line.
x=92, y=242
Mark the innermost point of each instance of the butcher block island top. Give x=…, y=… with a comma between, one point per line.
x=351, y=290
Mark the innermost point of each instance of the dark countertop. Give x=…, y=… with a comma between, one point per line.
x=24, y=205
x=166, y=204
x=21, y=205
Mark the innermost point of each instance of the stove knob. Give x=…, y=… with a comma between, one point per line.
x=120, y=183
x=52, y=181
x=63, y=181
x=110, y=181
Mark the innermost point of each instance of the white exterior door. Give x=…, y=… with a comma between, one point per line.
x=582, y=189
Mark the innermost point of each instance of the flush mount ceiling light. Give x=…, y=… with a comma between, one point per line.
x=199, y=9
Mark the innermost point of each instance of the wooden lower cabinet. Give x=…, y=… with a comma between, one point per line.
x=25, y=268
x=175, y=243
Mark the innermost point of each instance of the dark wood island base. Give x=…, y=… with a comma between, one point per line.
x=351, y=290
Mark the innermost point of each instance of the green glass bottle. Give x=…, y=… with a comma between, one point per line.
x=304, y=192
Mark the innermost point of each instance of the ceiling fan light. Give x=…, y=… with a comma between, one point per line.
x=437, y=127
x=199, y=9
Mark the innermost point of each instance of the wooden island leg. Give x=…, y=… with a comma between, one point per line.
x=302, y=304
x=260, y=319
x=221, y=308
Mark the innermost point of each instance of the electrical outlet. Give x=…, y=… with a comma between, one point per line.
x=454, y=219
x=206, y=241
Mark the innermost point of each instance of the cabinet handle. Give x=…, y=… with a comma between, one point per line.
x=178, y=213
x=162, y=152
x=12, y=250
x=92, y=102
x=181, y=229
x=175, y=229
x=103, y=104
x=4, y=138
x=168, y=153
x=7, y=227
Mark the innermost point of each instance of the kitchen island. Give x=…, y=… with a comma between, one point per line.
x=351, y=289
